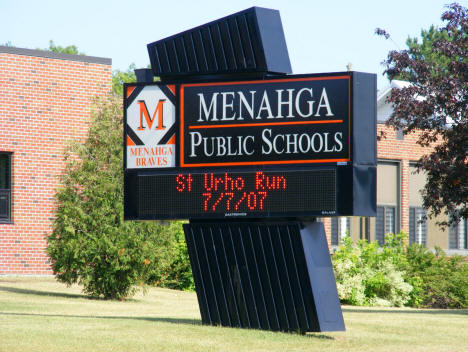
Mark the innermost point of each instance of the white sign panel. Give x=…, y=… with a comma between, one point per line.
x=150, y=138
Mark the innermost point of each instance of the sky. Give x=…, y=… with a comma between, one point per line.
x=322, y=36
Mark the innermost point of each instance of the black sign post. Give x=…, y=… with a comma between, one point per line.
x=251, y=157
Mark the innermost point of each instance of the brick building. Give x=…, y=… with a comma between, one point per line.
x=45, y=100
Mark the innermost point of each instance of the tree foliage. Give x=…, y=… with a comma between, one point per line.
x=121, y=77
x=91, y=244
x=436, y=103
x=70, y=49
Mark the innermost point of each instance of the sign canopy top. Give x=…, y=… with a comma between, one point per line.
x=250, y=42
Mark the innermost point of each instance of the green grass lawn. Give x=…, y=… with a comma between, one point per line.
x=39, y=314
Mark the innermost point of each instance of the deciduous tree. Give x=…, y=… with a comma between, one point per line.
x=436, y=103
x=70, y=49
x=120, y=77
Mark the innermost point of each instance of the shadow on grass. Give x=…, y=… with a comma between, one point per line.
x=116, y=317
x=41, y=293
x=316, y=335
x=312, y=335
x=25, y=291
x=406, y=311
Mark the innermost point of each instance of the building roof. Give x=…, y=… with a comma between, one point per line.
x=384, y=109
x=387, y=90
x=54, y=55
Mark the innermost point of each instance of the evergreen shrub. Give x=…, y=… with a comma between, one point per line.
x=91, y=244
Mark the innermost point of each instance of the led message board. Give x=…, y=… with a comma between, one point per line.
x=297, y=146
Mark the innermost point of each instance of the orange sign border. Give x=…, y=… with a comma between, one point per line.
x=280, y=162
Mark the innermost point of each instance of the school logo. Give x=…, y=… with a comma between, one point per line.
x=150, y=130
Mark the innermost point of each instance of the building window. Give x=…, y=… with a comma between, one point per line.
x=399, y=134
x=384, y=223
x=5, y=187
x=364, y=228
x=340, y=228
x=388, y=200
x=417, y=225
x=458, y=235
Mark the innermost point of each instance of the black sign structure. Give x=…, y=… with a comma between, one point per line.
x=295, y=146
x=251, y=156
x=248, y=42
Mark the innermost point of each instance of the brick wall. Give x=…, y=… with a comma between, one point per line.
x=405, y=151
x=45, y=100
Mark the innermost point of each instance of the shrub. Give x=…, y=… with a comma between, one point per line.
x=178, y=274
x=441, y=282
x=349, y=282
x=91, y=244
x=397, y=274
x=366, y=275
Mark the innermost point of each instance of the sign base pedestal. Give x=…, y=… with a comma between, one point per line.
x=270, y=275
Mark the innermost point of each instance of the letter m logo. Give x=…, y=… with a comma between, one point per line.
x=150, y=120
